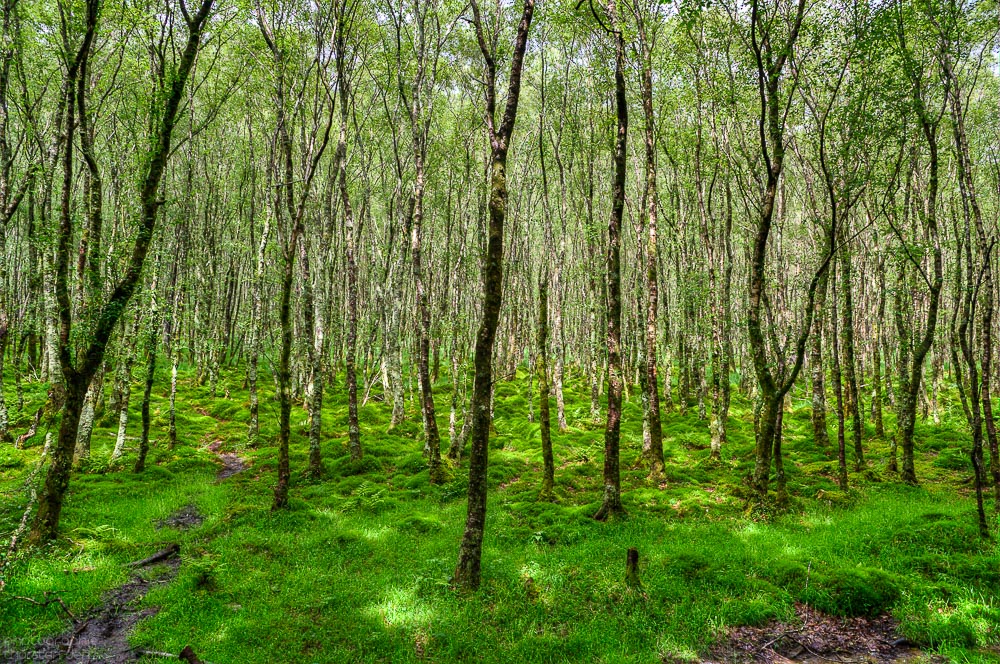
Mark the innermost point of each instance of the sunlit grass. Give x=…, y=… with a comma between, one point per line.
x=357, y=569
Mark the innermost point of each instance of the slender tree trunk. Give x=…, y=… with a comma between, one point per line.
x=611, y=504
x=284, y=204
x=314, y=360
x=151, y=346
x=908, y=400
x=83, y=436
x=467, y=570
x=350, y=232
x=541, y=368
x=128, y=357
x=254, y=343
x=850, y=363
x=653, y=452
x=977, y=400
x=172, y=345
x=838, y=391
x=457, y=441
x=353, y=427
x=820, y=435
x=284, y=376
x=771, y=392
x=4, y=433
x=172, y=424
x=393, y=350
x=433, y=438
x=558, y=350
x=877, y=388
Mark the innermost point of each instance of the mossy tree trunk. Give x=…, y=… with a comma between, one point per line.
x=468, y=569
x=78, y=374
x=611, y=503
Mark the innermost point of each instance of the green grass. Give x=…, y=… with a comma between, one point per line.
x=357, y=569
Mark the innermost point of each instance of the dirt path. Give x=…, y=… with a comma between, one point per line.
x=232, y=463
x=818, y=638
x=102, y=635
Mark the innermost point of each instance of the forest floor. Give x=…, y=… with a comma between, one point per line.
x=357, y=569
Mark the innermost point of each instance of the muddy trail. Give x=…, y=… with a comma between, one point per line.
x=232, y=463
x=183, y=519
x=102, y=635
x=818, y=638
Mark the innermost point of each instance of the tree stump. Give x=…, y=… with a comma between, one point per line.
x=632, y=569
x=187, y=655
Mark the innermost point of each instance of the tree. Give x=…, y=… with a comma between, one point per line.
x=771, y=52
x=77, y=373
x=645, y=17
x=289, y=208
x=467, y=571
x=12, y=193
x=911, y=365
x=417, y=96
x=611, y=503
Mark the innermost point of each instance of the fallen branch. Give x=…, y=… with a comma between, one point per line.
x=159, y=556
x=781, y=636
x=46, y=602
x=187, y=655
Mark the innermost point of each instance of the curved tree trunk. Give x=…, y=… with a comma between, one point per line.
x=79, y=374
x=467, y=569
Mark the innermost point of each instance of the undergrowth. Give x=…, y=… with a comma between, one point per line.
x=357, y=569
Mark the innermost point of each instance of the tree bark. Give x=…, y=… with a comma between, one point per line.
x=849, y=355
x=820, y=435
x=151, y=347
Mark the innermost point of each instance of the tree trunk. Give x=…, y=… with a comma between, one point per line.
x=838, y=391
x=83, y=436
x=467, y=570
x=151, y=344
x=850, y=363
x=128, y=357
x=820, y=434
x=314, y=361
x=284, y=376
x=254, y=342
x=541, y=368
x=433, y=438
x=653, y=452
x=77, y=378
x=877, y=388
x=611, y=504
x=771, y=392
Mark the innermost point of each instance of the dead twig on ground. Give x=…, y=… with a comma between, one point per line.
x=47, y=601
